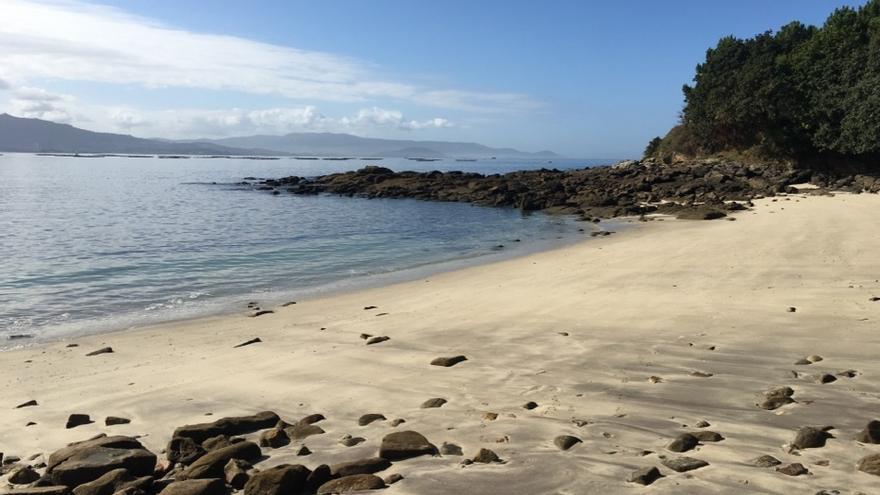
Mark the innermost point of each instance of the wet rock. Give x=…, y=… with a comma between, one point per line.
x=112, y=482
x=826, y=378
x=351, y=484
x=256, y=340
x=318, y=477
x=644, y=476
x=765, y=461
x=236, y=473
x=361, y=466
x=217, y=442
x=284, y=479
x=683, y=443
x=776, y=398
x=116, y=420
x=565, y=442
x=377, y=340
x=369, y=418
x=301, y=431
x=810, y=437
x=448, y=361
x=261, y=313
x=530, y=405
x=683, y=464
x=871, y=433
x=392, y=478
x=103, y=350
x=311, y=419
x=486, y=456
x=211, y=464
x=211, y=486
x=22, y=475
x=274, y=438
x=870, y=464
x=303, y=450
x=30, y=403
x=402, y=445
x=87, y=461
x=432, y=403
x=794, y=469
x=184, y=450
x=450, y=449
x=75, y=420
x=230, y=426
x=708, y=436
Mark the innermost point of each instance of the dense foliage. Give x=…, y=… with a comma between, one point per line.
x=802, y=92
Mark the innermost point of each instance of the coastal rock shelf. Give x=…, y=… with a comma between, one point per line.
x=696, y=189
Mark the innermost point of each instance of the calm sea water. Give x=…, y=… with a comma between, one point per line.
x=95, y=244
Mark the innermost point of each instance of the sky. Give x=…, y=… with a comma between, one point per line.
x=583, y=78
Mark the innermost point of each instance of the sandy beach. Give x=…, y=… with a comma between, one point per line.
x=624, y=342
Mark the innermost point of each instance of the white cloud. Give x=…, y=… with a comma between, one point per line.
x=40, y=104
x=72, y=40
x=379, y=117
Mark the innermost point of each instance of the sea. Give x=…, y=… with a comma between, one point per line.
x=97, y=244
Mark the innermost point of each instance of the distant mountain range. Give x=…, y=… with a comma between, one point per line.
x=41, y=136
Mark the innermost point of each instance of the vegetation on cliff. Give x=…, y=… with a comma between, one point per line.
x=804, y=94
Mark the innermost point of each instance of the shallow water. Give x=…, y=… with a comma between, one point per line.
x=96, y=244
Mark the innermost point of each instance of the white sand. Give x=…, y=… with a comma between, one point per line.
x=645, y=303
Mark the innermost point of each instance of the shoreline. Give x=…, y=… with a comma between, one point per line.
x=224, y=306
x=624, y=343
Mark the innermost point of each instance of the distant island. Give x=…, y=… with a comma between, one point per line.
x=40, y=136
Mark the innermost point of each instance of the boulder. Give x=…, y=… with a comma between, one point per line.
x=776, y=398
x=284, y=479
x=447, y=362
x=184, y=450
x=565, y=442
x=87, y=461
x=683, y=464
x=362, y=466
x=274, y=438
x=112, y=482
x=794, y=469
x=318, y=477
x=351, y=484
x=301, y=431
x=22, y=475
x=810, y=437
x=707, y=436
x=236, y=473
x=217, y=442
x=369, y=418
x=115, y=420
x=211, y=464
x=402, y=445
x=644, y=476
x=683, y=443
x=870, y=464
x=210, y=486
x=765, y=461
x=871, y=433
x=238, y=425
x=75, y=420
x=432, y=403
x=486, y=456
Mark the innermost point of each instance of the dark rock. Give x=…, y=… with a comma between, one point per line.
x=810, y=437
x=211, y=464
x=274, y=438
x=448, y=361
x=683, y=443
x=848, y=373
x=392, y=479
x=397, y=422
x=211, y=486
x=22, y=475
x=29, y=403
x=765, y=461
x=683, y=464
x=362, y=466
x=369, y=418
x=112, y=482
x=486, y=456
x=794, y=469
x=871, y=433
x=301, y=431
x=530, y=405
x=228, y=426
x=116, y=420
x=870, y=464
x=644, y=476
x=285, y=479
x=565, y=442
x=776, y=398
x=402, y=445
x=303, y=450
x=701, y=213
x=377, y=340
x=75, y=420
x=103, y=350
x=350, y=441
x=236, y=473
x=826, y=378
x=351, y=484
x=318, y=477
x=217, y=442
x=432, y=403
x=256, y=340
x=311, y=419
x=184, y=450
x=702, y=424
x=261, y=313
x=87, y=461
x=450, y=449
x=707, y=436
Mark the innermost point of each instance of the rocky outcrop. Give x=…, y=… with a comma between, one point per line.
x=228, y=426
x=87, y=461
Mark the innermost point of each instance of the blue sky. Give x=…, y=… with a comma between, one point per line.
x=582, y=78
